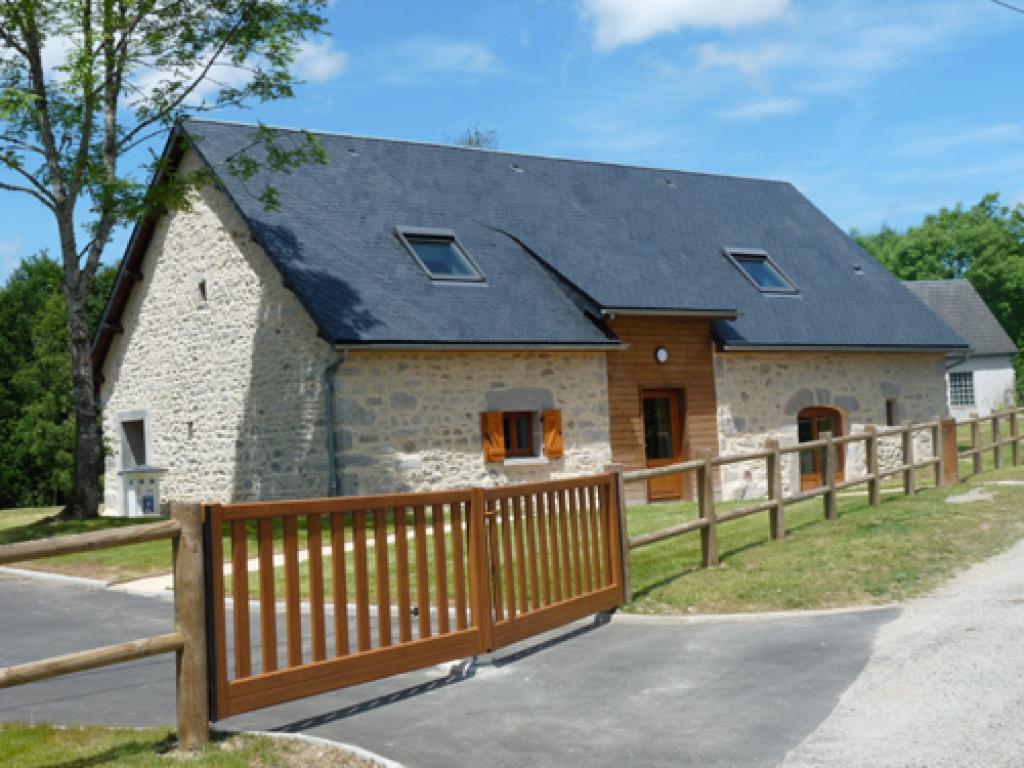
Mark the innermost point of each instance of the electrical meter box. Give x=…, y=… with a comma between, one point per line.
x=140, y=490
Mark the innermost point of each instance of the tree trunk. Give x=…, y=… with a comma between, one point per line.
x=85, y=496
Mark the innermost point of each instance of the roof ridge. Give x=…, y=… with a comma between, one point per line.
x=486, y=150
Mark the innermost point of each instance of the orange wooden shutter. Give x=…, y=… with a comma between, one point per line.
x=492, y=430
x=554, y=445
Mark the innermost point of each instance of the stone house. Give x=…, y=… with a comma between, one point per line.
x=984, y=378
x=418, y=316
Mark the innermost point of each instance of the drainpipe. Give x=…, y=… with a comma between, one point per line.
x=334, y=476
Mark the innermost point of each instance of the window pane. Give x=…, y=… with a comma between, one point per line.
x=805, y=430
x=961, y=388
x=517, y=434
x=658, y=428
x=442, y=258
x=763, y=273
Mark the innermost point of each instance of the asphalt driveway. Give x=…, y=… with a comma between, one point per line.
x=723, y=693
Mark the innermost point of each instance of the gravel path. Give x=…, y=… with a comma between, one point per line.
x=944, y=685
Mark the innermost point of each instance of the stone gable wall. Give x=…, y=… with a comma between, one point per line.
x=231, y=384
x=760, y=395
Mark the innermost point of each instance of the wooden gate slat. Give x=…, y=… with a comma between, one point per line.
x=542, y=540
x=422, y=577
x=340, y=582
x=292, y=591
x=458, y=565
x=563, y=527
x=268, y=606
x=506, y=550
x=402, y=575
x=317, y=628
x=361, y=567
x=574, y=541
x=380, y=539
x=606, y=533
x=556, y=568
x=517, y=513
x=240, y=598
x=497, y=603
x=595, y=534
x=584, y=514
x=531, y=549
x=440, y=570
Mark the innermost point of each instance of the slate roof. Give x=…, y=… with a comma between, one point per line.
x=963, y=310
x=560, y=242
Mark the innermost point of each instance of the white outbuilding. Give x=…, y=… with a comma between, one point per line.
x=983, y=379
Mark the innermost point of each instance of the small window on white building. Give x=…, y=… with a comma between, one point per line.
x=961, y=388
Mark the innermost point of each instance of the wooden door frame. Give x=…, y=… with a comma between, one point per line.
x=813, y=412
x=679, y=392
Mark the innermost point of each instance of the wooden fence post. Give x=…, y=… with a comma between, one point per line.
x=480, y=578
x=909, y=484
x=937, y=454
x=831, y=502
x=777, y=515
x=190, y=622
x=951, y=452
x=706, y=505
x=997, y=439
x=619, y=489
x=1015, y=436
x=976, y=443
x=874, y=483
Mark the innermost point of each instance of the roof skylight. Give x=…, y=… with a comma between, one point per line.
x=759, y=269
x=440, y=254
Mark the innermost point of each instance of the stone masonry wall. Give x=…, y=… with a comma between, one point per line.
x=230, y=384
x=760, y=395
x=232, y=391
x=411, y=420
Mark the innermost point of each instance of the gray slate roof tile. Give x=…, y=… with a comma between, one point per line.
x=960, y=306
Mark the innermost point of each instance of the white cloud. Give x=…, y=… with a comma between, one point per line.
x=424, y=57
x=926, y=143
x=752, y=63
x=760, y=108
x=624, y=22
x=9, y=251
x=317, y=61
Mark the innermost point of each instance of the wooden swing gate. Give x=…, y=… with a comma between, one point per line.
x=365, y=587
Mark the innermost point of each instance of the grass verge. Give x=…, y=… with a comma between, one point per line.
x=871, y=555
x=29, y=746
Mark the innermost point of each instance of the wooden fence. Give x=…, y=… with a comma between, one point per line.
x=409, y=580
x=187, y=641
x=944, y=461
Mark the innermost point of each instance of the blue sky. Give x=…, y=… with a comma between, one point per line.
x=879, y=112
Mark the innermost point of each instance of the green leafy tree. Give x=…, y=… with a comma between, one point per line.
x=85, y=87
x=983, y=243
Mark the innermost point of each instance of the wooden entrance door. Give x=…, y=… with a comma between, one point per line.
x=663, y=440
x=812, y=424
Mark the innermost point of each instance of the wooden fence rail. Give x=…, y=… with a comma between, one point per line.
x=944, y=462
x=187, y=641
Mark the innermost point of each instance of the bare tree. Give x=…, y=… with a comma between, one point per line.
x=482, y=138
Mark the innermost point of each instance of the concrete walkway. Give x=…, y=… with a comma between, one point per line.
x=945, y=684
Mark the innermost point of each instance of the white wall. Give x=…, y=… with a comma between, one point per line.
x=994, y=385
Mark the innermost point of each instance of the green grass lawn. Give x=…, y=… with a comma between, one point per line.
x=119, y=564
x=37, y=746
x=903, y=548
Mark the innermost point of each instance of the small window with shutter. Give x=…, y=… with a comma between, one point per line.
x=514, y=435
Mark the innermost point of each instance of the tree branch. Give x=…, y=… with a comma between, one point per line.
x=15, y=188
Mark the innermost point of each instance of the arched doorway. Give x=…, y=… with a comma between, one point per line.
x=812, y=423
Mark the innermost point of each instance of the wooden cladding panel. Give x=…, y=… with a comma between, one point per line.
x=690, y=367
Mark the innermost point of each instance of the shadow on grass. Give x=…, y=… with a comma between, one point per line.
x=119, y=754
